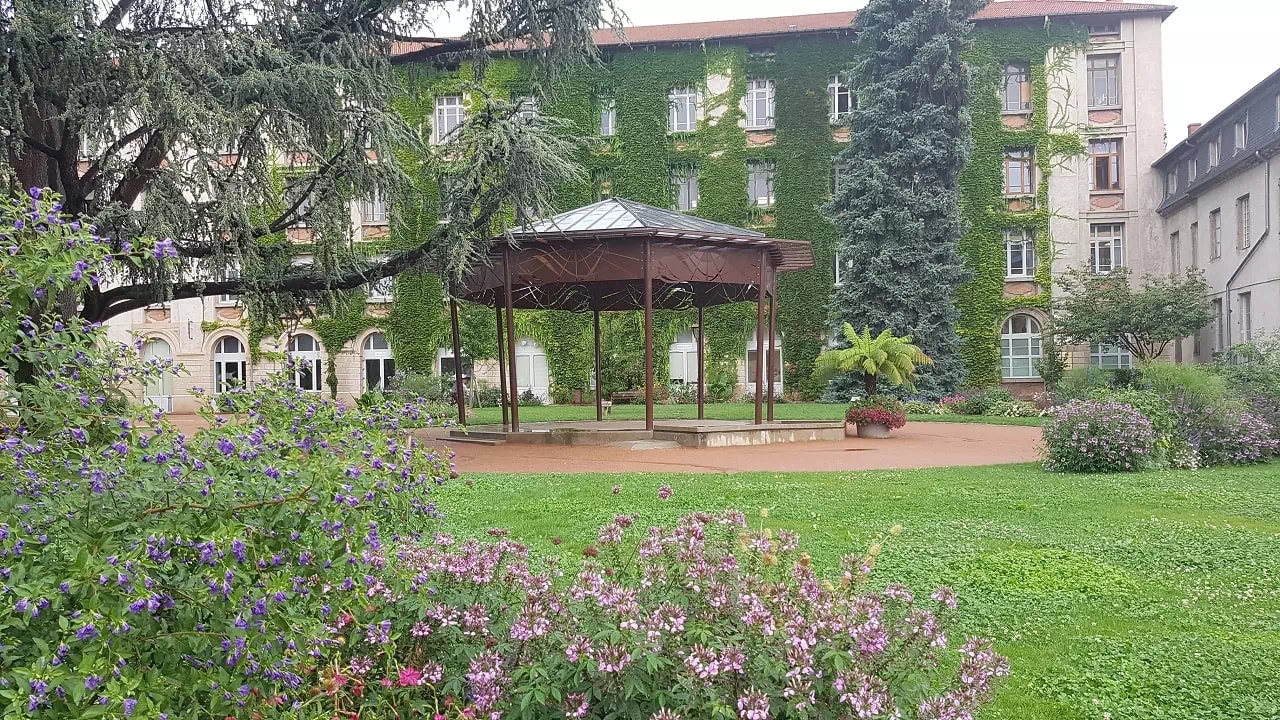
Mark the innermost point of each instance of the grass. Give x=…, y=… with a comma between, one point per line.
x=716, y=411
x=1153, y=595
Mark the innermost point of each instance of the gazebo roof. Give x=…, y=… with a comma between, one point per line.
x=618, y=217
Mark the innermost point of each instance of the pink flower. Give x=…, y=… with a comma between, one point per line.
x=410, y=676
x=664, y=492
x=617, y=489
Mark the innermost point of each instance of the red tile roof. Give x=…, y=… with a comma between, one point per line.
x=835, y=21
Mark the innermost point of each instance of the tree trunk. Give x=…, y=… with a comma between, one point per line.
x=869, y=383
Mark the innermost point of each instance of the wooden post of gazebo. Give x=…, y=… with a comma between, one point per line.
x=760, y=291
x=773, y=337
x=459, y=395
x=595, y=321
x=512, y=378
x=502, y=368
x=648, y=335
x=701, y=380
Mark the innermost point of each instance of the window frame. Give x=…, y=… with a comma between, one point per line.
x=1171, y=182
x=757, y=171
x=312, y=360
x=1240, y=134
x=1018, y=72
x=608, y=109
x=1114, y=158
x=757, y=87
x=222, y=359
x=375, y=210
x=225, y=274
x=684, y=175
x=1243, y=221
x=1219, y=321
x=1113, y=241
x=1099, y=352
x=1026, y=239
x=1175, y=250
x=1215, y=151
x=838, y=86
x=1013, y=157
x=1215, y=234
x=1195, y=245
x=1111, y=78
x=1193, y=169
x=382, y=356
x=1244, y=301
x=686, y=96
x=442, y=109
x=1035, y=347
x=383, y=290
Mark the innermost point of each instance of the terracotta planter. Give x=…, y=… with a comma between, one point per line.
x=870, y=430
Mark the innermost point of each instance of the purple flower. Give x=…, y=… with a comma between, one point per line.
x=129, y=705
x=92, y=682
x=88, y=632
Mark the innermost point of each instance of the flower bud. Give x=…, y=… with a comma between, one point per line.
x=895, y=530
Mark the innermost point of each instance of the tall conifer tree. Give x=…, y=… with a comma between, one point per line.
x=897, y=204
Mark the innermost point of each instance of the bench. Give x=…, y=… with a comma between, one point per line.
x=628, y=396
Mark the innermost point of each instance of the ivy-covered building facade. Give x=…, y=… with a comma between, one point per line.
x=740, y=121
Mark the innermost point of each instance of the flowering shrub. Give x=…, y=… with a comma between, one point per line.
x=1238, y=437
x=1011, y=408
x=706, y=618
x=1097, y=436
x=923, y=407
x=880, y=409
x=975, y=401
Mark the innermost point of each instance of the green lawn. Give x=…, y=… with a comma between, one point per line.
x=717, y=411
x=1153, y=595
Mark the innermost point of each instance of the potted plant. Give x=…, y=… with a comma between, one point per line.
x=874, y=416
x=885, y=356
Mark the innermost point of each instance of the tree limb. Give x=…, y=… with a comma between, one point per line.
x=113, y=18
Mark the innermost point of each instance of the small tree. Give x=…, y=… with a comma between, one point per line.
x=1107, y=309
x=895, y=358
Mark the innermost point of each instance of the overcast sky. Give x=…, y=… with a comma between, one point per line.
x=1214, y=50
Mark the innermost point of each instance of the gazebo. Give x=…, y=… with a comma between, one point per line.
x=623, y=255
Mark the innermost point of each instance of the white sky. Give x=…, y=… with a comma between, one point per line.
x=1214, y=50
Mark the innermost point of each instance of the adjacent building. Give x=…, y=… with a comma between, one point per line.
x=740, y=121
x=1217, y=207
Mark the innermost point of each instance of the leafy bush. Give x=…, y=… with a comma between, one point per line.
x=1170, y=444
x=1238, y=437
x=1098, y=436
x=721, y=385
x=1253, y=368
x=1079, y=383
x=1012, y=408
x=1190, y=384
x=921, y=407
x=682, y=393
x=976, y=401
x=877, y=409
x=486, y=394
x=529, y=398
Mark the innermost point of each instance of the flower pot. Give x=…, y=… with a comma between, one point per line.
x=873, y=430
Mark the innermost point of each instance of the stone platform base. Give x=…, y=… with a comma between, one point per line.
x=687, y=433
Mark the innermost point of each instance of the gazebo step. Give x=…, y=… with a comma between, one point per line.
x=464, y=439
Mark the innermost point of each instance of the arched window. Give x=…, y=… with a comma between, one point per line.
x=159, y=389
x=379, y=366
x=229, y=364
x=304, y=351
x=1020, y=347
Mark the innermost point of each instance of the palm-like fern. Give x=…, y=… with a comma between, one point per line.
x=885, y=355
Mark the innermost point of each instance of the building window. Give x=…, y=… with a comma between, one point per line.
x=1104, y=81
x=527, y=107
x=379, y=366
x=1016, y=93
x=839, y=175
x=683, y=357
x=1019, y=253
x=1277, y=112
x=1215, y=151
x=602, y=185
x=1218, y=326
x=760, y=183
x=775, y=356
x=759, y=104
x=1106, y=243
x=447, y=365
x=1215, y=234
x=1175, y=251
x=382, y=290
x=1109, y=357
x=1171, y=183
x=608, y=117
x=229, y=365
x=839, y=97
x=684, y=110
x=373, y=210
x=1018, y=172
x=531, y=368
x=1020, y=348
x=1242, y=223
x=159, y=388
x=1100, y=30
x=1193, y=170
x=1195, y=245
x=227, y=274
x=1104, y=156
x=1244, y=301
x=1242, y=134
x=841, y=268
x=449, y=115
x=684, y=187
x=304, y=354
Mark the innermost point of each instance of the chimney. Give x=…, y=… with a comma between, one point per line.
x=1192, y=128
